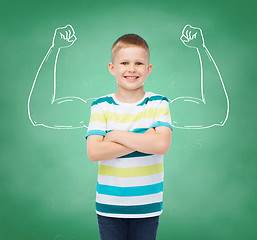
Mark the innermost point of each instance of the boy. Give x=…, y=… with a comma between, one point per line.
x=128, y=133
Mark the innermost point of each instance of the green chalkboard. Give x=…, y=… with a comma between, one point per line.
x=46, y=179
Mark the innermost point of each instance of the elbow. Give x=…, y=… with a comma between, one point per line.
x=162, y=141
x=166, y=149
x=92, y=155
x=94, y=149
x=92, y=159
x=162, y=148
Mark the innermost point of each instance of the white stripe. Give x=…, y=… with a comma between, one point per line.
x=97, y=126
x=130, y=182
x=154, y=214
x=132, y=109
x=127, y=109
x=142, y=123
x=96, y=109
x=133, y=162
x=163, y=118
x=129, y=201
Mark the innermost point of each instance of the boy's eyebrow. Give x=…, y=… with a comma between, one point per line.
x=138, y=60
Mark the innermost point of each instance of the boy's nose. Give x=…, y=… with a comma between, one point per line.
x=131, y=68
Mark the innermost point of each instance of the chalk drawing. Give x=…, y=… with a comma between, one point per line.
x=64, y=37
x=192, y=37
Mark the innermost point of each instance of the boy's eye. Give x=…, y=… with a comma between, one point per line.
x=124, y=63
x=139, y=63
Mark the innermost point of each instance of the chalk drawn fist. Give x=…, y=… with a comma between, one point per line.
x=192, y=37
x=64, y=37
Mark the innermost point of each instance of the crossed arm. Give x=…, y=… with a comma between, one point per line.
x=119, y=143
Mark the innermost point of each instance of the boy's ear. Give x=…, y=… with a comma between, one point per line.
x=149, y=69
x=111, y=68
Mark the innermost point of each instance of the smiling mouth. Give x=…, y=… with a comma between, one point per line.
x=131, y=77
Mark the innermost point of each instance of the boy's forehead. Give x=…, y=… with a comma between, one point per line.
x=131, y=51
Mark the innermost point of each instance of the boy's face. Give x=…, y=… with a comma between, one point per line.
x=130, y=67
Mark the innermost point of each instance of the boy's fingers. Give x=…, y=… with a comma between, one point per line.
x=150, y=130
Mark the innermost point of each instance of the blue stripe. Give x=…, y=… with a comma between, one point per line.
x=160, y=123
x=107, y=131
x=95, y=132
x=153, y=98
x=104, y=99
x=138, y=209
x=139, y=130
x=135, y=154
x=129, y=191
x=136, y=130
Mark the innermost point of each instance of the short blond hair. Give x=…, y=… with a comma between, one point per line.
x=129, y=40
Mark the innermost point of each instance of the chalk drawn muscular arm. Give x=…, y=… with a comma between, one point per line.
x=44, y=109
x=212, y=108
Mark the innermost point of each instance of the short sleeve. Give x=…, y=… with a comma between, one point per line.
x=98, y=122
x=162, y=114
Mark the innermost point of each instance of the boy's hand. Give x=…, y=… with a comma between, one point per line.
x=192, y=37
x=109, y=137
x=150, y=131
x=64, y=37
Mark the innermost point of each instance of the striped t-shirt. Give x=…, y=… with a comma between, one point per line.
x=130, y=186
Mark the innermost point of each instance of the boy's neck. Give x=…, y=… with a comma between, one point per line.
x=129, y=96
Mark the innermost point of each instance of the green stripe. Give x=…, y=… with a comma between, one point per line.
x=137, y=209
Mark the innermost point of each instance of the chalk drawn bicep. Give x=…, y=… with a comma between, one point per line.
x=44, y=109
